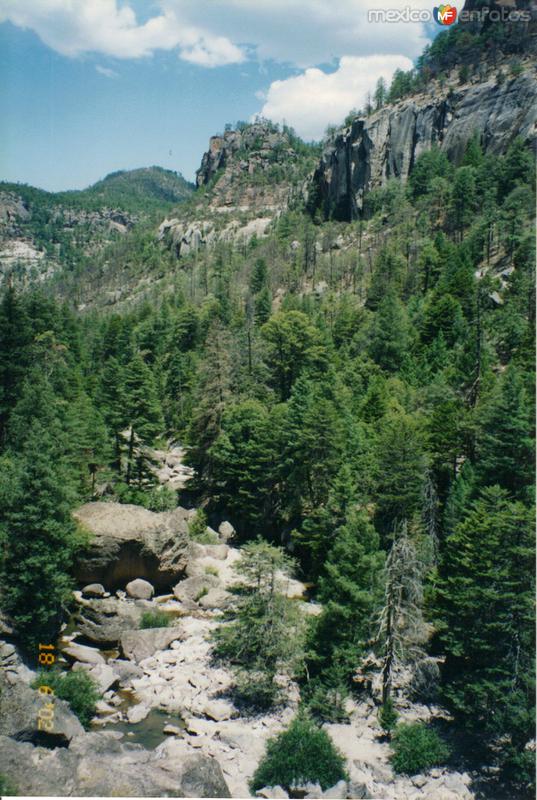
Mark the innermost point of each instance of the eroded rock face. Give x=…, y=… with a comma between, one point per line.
x=386, y=144
x=129, y=542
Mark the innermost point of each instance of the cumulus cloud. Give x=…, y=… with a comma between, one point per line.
x=311, y=101
x=74, y=27
x=210, y=32
x=307, y=32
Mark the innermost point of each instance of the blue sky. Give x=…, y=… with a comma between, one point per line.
x=136, y=83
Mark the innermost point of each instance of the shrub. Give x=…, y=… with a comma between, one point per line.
x=416, y=747
x=211, y=571
x=388, y=716
x=198, y=530
x=78, y=688
x=326, y=703
x=6, y=787
x=255, y=691
x=302, y=754
x=200, y=594
x=154, y=619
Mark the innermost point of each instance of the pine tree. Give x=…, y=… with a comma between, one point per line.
x=113, y=402
x=40, y=534
x=15, y=339
x=389, y=334
x=244, y=468
x=87, y=442
x=212, y=395
x=485, y=618
x=145, y=417
x=400, y=471
x=292, y=344
x=265, y=636
x=505, y=447
x=350, y=591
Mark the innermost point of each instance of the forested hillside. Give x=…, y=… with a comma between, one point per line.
x=360, y=394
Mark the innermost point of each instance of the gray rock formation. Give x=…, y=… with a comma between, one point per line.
x=98, y=765
x=140, y=589
x=191, y=590
x=93, y=590
x=103, y=620
x=129, y=542
x=80, y=652
x=386, y=144
x=137, y=645
x=19, y=710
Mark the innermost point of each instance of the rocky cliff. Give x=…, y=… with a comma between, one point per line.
x=254, y=168
x=385, y=144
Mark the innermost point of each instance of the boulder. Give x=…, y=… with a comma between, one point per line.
x=12, y=666
x=137, y=713
x=104, y=620
x=226, y=531
x=219, y=710
x=191, y=590
x=359, y=790
x=19, y=710
x=419, y=781
x=103, y=675
x=216, y=598
x=172, y=730
x=138, y=645
x=80, y=652
x=337, y=792
x=140, y=589
x=218, y=551
x=126, y=670
x=93, y=590
x=307, y=790
x=129, y=542
x=272, y=792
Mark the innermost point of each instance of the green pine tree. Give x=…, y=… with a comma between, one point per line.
x=485, y=618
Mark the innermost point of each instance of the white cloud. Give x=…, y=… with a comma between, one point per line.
x=73, y=27
x=108, y=73
x=311, y=101
x=210, y=32
x=306, y=32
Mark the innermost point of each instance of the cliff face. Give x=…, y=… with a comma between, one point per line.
x=252, y=169
x=386, y=144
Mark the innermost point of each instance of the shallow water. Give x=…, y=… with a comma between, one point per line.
x=148, y=732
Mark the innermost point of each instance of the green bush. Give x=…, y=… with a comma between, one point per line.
x=255, y=691
x=6, y=787
x=302, y=754
x=326, y=703
x=154, y=619
x=388, y=716
x=78, y=688
x=416, y=747
x=198, y=530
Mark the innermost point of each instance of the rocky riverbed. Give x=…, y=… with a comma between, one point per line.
x=167, y=723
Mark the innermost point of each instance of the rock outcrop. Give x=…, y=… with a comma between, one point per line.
x=129, y=542
x=99, y=765
x=386, y=144
x=19, y=709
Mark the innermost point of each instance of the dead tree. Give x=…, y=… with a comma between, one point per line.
x=402, y=628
